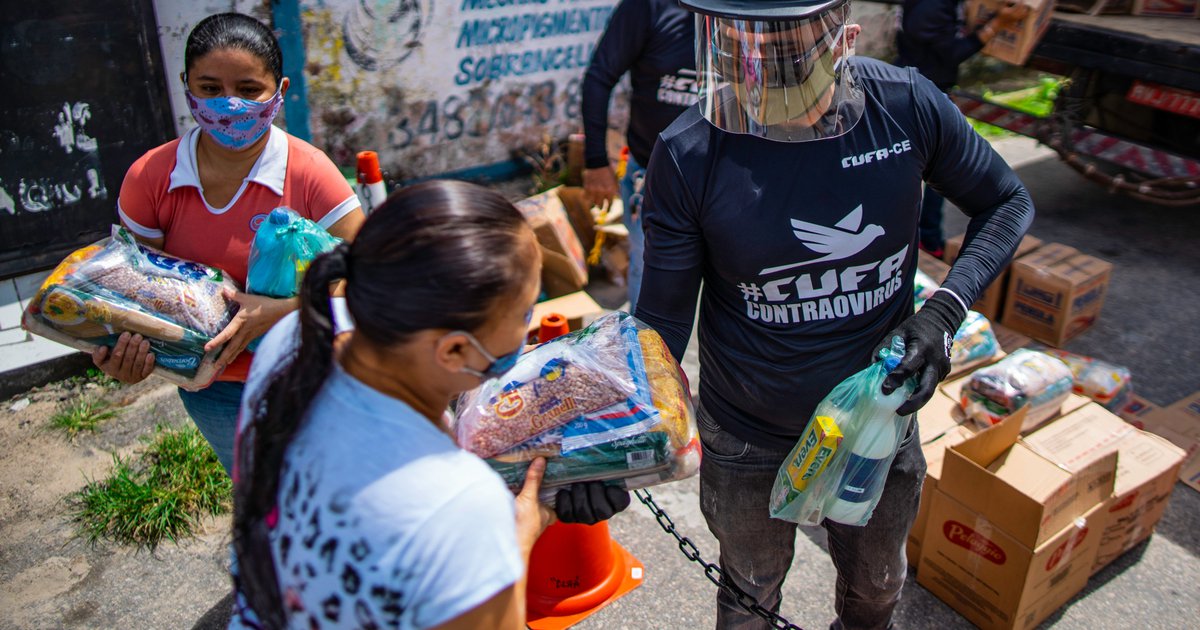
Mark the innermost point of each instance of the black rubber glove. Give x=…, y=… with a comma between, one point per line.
x=928, y=336
x=589, y=502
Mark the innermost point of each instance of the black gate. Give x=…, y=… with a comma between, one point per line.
x=82, y=96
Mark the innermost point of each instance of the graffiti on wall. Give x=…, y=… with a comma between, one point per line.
x=440, y=85
x=77, y=177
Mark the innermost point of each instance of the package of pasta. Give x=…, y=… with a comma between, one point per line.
x=118, y=285
x=647, y=438
x=1106, y=383
x=1025, y=378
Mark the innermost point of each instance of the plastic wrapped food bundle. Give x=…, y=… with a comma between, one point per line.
x=118, y=285
x=646, y=438
x=1106, y=383
x=974, y=341
x=1023, y=378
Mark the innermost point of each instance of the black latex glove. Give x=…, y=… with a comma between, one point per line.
x=589, y=502
x=928, y=336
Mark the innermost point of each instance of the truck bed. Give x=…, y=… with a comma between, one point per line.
x=1178, y=30
x=1161, y=50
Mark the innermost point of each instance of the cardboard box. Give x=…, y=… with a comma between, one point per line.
x=547, y=213
x=1013, y=45
x=579, y=308
x=1021, y=492
x=996, y=581
x=1010, y=535
x=991, y=302
x=1179, y=423
x=1147, y=466
x=1136, y=409
x=1055, y=293
x=1167, y=8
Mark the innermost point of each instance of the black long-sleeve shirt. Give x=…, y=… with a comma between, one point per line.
x=807, y=251
x=653, y=40
x=931, y=40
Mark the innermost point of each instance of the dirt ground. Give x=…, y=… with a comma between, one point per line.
x=50, y=578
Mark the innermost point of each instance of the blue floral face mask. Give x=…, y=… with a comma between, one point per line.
x=498, y=365
x=234, y=123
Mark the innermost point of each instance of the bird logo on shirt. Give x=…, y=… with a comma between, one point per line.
x=845, y=239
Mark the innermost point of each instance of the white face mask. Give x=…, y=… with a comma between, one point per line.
x=777, y=105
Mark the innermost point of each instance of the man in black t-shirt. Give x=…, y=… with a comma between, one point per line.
x=793, y=191
x=654, y=41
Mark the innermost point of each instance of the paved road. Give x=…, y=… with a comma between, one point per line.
x=1149, y=324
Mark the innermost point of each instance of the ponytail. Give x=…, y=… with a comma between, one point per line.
x=277, y=416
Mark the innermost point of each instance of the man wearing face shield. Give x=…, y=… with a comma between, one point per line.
x=793, y=191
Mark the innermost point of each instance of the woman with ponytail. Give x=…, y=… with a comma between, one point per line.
x=353, y=507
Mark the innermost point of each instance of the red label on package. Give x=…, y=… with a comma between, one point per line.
x=973, y=541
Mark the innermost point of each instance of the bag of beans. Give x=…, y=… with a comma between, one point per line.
x=118, y=285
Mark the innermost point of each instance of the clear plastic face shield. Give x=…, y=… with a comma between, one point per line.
x=779, y=79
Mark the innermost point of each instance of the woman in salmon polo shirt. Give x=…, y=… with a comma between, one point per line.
x=202, y=196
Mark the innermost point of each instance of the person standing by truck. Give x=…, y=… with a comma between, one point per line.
x=654, y=41
x=933, y=38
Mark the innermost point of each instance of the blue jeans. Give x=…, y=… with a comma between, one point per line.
x=631, y=199
x=756, y=550
x=214, y=409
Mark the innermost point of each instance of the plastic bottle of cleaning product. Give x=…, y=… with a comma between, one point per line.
x=871, y=453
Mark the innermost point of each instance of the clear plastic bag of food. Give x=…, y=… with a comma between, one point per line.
x=974, y=342
x=1025, y=378
x=1109, y=384
x=838, y=467
x=647, y=438
x=118, y=285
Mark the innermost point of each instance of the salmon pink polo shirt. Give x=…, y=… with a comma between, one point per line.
x=161, y=197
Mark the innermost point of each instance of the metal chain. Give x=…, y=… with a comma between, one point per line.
x=711, y=571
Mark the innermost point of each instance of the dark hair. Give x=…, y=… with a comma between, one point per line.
x=234, y=30
x=442, y=254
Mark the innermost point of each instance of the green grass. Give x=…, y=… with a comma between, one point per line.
x=85, y=413
x=97, y=376
x=160, y=495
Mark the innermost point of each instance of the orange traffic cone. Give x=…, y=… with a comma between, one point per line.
x=574, y=570
x=553, y=325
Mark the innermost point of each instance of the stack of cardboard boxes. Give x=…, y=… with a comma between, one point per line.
x=1010, y=527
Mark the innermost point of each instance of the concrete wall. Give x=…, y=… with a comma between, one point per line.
x=441, y=85
x=438, y=85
